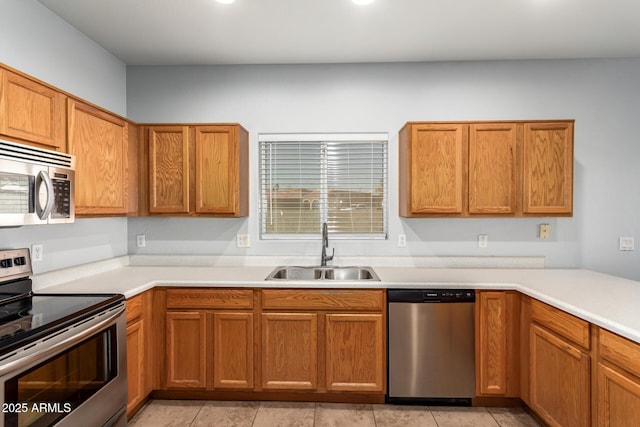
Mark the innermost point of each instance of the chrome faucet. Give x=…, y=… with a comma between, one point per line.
x=325, y=244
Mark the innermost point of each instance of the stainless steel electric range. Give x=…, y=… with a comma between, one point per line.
x=62, y=356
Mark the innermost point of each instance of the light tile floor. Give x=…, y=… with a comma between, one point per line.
x=299, y=414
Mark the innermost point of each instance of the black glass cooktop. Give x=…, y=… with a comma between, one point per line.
x=29, y=318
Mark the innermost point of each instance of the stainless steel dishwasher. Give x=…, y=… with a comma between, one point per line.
x=431, y=346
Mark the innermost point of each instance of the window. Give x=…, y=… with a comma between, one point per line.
x=309, y=179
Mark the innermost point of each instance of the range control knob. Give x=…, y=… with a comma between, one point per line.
x=6, y=263
x=20, y=260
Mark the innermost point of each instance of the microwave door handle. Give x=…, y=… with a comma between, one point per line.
x=43, y=178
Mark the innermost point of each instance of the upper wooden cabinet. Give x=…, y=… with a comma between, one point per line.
x=169, y=169
x=31, y=111
x=486, y=169
x=198, y=170
x=431, y=168
x=548, y=168
x=492, y=168
x=100, y=141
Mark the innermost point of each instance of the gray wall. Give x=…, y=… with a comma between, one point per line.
x=36, y=41
x=39, y=43
x=601, y=95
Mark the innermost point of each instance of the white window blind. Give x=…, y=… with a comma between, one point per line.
x=309, y=179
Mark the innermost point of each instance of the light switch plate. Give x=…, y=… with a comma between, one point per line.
x=544, y=231
x=626, y=244
x=242, y=241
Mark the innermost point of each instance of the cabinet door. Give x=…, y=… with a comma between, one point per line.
x=169, y=169
x=289, y=351
x=497, y=345
x=492, y=168
x=355, y=355
x=548, y=168
x=135, y=364
x=436, y=162
x=100, y=143
x=31, y=111
x=618, y=399
x=560, y=380
x=217, y=174
x=186, y=349
x=233, y=350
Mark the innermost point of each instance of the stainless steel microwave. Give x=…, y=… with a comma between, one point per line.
x=36, y=186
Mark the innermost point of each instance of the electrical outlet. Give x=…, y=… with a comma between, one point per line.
x=36, y=252
x=483, y=240
x=544, y=231
x=242, y=241
x=402, y=240
x=626, y=244
x=141, y=240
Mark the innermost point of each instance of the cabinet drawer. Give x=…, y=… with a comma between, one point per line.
x=209, y=298
x=568, y=326
x=322, y=299
x=620, y=351
x=134, y=308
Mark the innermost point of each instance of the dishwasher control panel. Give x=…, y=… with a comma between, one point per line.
x=431, y=295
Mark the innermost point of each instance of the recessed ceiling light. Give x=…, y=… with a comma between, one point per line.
x=362, y=2
x=225, y=1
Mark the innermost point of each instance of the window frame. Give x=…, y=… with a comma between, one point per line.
x=323, y=138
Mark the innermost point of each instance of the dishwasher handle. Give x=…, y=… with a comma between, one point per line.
x=431, y=295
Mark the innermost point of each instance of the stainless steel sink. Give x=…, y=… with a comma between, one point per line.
x=323, y=273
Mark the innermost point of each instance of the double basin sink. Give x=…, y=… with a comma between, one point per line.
x=323, y=273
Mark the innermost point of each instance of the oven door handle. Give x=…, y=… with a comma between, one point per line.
x=39, y=355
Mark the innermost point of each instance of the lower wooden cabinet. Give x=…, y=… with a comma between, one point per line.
x=186, y=349
x=139, y=360
x=355, y=352
x=497, y=343
x=290, y=351
x=560, y=380
x=618, y=381
x=232, y=350
x=135, y=365
x=324, y=340
x=618, y=398
x=195, y=335
x=209, y=339
x=274, y=341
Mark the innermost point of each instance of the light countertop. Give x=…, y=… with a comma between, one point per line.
x=604, y=300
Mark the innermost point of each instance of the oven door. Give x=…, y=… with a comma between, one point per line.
x=76, y=377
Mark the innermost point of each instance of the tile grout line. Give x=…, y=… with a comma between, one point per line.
x=375, y=421
x=255, y=414
x=197, y=413
x=315, y=409
x=435, y=420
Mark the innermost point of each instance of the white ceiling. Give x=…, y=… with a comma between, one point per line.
x=334, y=31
